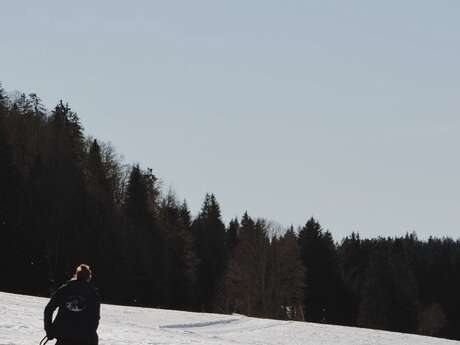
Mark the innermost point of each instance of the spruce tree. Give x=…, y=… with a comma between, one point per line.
x=3, y=100
x=11, y=190
x=209, y=242
x=287, y=277
x=104, y=249
x=247, y=277
x=323, y=279
x=180, y=259
x=232, y=236
x=65, y=192
x=143, y=251
x=353, y=260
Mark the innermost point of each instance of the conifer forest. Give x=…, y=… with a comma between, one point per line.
x=66, y=199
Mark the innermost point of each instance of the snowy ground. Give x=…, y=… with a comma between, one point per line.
x=21, y=322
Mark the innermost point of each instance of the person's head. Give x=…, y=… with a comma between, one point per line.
x=83, y=272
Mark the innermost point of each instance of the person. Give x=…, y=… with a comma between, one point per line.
x=78, y=315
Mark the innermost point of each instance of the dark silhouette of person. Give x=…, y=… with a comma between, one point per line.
x=78, y=316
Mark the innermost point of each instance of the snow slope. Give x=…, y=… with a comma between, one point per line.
x=21, y=322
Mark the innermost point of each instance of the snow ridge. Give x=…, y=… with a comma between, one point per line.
x=200, y=324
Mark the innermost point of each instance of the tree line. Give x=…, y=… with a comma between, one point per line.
x=66, y=199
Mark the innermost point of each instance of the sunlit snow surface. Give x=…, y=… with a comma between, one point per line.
x=21, y=323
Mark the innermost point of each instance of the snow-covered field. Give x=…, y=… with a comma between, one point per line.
x=21, y=323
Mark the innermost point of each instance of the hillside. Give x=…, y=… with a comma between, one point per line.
x=21, y=324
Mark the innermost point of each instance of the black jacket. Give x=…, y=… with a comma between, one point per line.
x=78, y=314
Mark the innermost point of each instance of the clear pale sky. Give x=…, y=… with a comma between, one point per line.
x=347, y=111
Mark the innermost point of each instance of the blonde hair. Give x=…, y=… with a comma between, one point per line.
x=83, y=272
